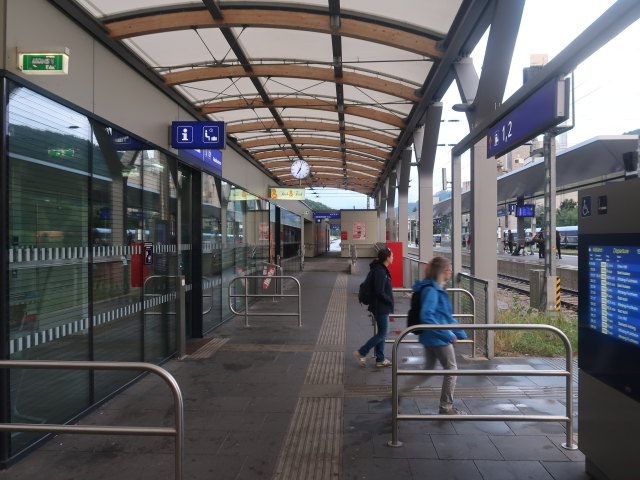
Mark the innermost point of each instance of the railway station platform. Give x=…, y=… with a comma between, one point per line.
x=279, y=401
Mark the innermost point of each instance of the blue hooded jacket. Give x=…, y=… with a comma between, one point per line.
x=435, y=308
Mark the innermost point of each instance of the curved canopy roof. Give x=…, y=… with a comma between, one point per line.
x=337, y=83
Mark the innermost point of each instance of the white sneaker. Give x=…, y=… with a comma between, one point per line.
x=361, y=360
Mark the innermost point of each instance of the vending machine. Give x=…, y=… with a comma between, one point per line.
x=609, y=329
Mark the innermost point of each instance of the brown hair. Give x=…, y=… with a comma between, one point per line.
x=435, y=267
x=383, y=254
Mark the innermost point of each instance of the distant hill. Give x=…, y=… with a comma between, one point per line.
x=317, y=206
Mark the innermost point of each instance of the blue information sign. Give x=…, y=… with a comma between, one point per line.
x=545, y=108
x=614, y=291
x=326, y=214
x=209, y=135
x=502, y=212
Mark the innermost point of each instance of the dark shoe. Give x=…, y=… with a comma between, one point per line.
x=451, y=411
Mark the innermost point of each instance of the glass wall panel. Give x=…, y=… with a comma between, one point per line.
x=156, y=222
x=49, y=166
x=115, y=281
x=211, y=252
x=291, y=228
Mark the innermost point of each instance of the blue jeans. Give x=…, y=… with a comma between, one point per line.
x=377, y=341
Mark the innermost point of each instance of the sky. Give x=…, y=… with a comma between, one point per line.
x=607, y=89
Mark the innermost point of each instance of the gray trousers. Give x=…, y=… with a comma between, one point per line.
x=446, y=355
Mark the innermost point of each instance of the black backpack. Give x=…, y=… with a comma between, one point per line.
x=413, y=317
x=365, y=292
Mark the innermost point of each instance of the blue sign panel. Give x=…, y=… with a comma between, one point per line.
x=542, y=110
x=502, y=212
x=210, y=135
x=123, y=142
x=614, y=296
x=512, y=207
x=209, y=161
x=326, y=214
x=525, y=210
x=335, y=227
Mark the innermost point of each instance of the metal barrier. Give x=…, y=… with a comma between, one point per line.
x=461, y=326
x=411, y=274
x=177, y=431
x=246, y=295
x=569, y=445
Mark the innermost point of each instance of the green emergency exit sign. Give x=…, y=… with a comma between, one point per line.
x=44, y=63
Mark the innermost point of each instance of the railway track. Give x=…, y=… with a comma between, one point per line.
x=568, y=298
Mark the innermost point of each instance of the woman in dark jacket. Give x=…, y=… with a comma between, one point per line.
x=435, y=308
x=381, y=306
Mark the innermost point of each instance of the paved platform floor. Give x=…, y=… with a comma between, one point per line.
x=278, y=401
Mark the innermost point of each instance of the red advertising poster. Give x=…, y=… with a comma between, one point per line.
x=395, y=269
x=359, y=231
x=344, y=235
x=263, y=228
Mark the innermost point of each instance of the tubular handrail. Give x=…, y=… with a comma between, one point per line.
x=461, y=326
x=567, y=373
x=177, y=431
x=247, y=295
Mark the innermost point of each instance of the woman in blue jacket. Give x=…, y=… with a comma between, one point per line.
x=435, y=308
x=380, y=307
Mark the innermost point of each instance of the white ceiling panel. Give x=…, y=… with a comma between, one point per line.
x=371, y=97
x=434, y=15
x=179, y=48
x=101, y=8
x=278, y=43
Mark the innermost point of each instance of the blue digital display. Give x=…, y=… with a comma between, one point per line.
x=614, y=292
x=204, y=159
x=326, y=215
x=190, y=135
x=532, y=117
x=525, y=210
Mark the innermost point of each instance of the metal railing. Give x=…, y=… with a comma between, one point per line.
x=461, y=326
x=177, y=431
x=567, y=373
x=413, y=270
x=246, y=295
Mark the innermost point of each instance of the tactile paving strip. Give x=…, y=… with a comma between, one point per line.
x=312, y=448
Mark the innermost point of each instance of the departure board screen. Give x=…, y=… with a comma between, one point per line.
x=614, y=291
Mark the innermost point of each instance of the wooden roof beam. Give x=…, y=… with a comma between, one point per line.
x=144, y=24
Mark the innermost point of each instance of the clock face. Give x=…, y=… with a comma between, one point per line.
x=300, y=169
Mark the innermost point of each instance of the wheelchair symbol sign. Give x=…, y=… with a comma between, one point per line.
x=585, y=208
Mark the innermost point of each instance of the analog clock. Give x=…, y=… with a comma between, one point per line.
x=300, y=169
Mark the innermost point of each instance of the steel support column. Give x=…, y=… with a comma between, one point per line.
x=403, y=198
x=549, y=148
x=392, y=225
x=381, y=206
x=425, y=178
x=456, y=217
